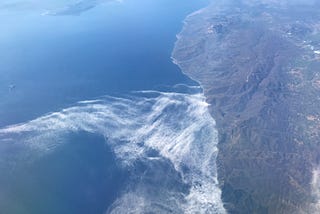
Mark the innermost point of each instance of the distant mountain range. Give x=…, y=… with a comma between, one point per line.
x=50, y=7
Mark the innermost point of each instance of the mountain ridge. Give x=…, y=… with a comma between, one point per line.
x=257, y=64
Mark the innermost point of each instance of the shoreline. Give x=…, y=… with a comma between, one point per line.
x=176, y=62
x=247, y=67
x=178, y=37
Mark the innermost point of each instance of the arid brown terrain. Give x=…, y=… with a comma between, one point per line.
x=259, y=65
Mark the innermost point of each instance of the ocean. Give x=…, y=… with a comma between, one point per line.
x=95, y=118
x=54, y=61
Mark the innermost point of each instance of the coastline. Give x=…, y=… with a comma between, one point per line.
x=176, y=62
x=246, y=65
x=178, y=36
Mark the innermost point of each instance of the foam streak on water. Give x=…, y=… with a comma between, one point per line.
x=177, y=126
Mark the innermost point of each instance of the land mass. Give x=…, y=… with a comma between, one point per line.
x=258, y=63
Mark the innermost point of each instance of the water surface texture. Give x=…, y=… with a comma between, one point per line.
x=95, y=118
x=163, y=143
x=55, y=60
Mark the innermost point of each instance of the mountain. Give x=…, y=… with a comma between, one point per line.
x=258, y=62
x=51, y=7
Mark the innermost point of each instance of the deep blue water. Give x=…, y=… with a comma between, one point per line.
x=56, y=61
x=80, y=177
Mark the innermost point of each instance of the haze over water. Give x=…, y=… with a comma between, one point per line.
x=141, y=151
x=115, y=47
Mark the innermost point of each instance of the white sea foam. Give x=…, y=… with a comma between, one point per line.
x=176, y=125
